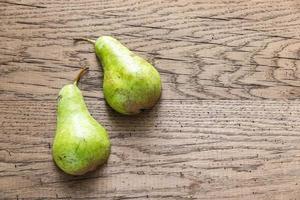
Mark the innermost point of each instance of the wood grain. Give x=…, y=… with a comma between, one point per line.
x=227, y=125
x=203, y=49
x=181, y=150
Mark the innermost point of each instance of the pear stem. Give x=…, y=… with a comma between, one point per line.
x=85, y=39
x=81, y=72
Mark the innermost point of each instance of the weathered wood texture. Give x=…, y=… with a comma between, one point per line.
x=203, y=50
x=181, y=149
x=227, y=126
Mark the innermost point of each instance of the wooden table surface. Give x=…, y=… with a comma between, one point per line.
x=227, y=125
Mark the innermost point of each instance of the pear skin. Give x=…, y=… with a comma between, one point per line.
x=81, y=143
x=130, y=84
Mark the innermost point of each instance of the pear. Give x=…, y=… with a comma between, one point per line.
x=130, y=84
x=81, y=143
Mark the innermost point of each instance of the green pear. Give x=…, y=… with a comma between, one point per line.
x=130, y=84
x=81, y=143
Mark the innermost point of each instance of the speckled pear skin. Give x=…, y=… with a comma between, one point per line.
x=81, y=143
x=130, y=84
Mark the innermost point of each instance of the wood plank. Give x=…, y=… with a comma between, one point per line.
x=203, y=49
x=193, y=149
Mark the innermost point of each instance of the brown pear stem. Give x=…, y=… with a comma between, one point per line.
x=81, y=72
x=85, y=39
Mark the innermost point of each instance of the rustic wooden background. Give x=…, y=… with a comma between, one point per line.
x=227, y=125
